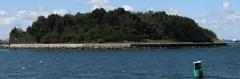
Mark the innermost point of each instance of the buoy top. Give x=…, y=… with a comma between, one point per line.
x=197, y=62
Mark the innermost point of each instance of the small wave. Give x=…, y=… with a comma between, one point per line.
x=23, y=68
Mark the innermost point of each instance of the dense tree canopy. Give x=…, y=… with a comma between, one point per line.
x=117, y=25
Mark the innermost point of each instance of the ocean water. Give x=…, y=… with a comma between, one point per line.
x=218, y=63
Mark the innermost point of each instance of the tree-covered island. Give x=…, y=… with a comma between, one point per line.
x=116, y=26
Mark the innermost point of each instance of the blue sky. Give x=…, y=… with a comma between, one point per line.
x=220, y=16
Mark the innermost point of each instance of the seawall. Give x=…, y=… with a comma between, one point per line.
x=117, y=46
x=69, y=46
x=179, y=45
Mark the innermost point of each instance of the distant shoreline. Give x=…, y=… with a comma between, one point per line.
x=115, y=46
x=4, y=46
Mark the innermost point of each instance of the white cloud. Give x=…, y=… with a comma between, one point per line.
x=30, y=15
x=106, y=5
x=38, y=13
x=21, y=11
x=6, y=20
x=202, y=21
x=60, y=11
x=224, y=24
x=128, y=7
x=25, y=18
x=101, y=4
x=234, y=16
x=22, y=19
x=226, y=5
x=172, y=11
x=3, y=13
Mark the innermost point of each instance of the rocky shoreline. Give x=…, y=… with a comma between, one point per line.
x=115, y=46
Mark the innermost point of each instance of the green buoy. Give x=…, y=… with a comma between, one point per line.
x=197, y=72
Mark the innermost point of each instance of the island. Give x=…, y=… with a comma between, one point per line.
x=113, y=29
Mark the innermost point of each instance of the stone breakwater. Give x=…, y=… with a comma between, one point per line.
x=70, y=46
x=116, y=46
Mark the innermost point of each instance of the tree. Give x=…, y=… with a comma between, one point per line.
x=19, y=36
x=117, y=25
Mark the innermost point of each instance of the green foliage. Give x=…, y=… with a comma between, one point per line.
x=117, y=25
x=19, y=36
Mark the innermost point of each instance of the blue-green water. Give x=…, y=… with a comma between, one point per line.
x=218, y=63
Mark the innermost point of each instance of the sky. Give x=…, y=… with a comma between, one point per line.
x=220, y=16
